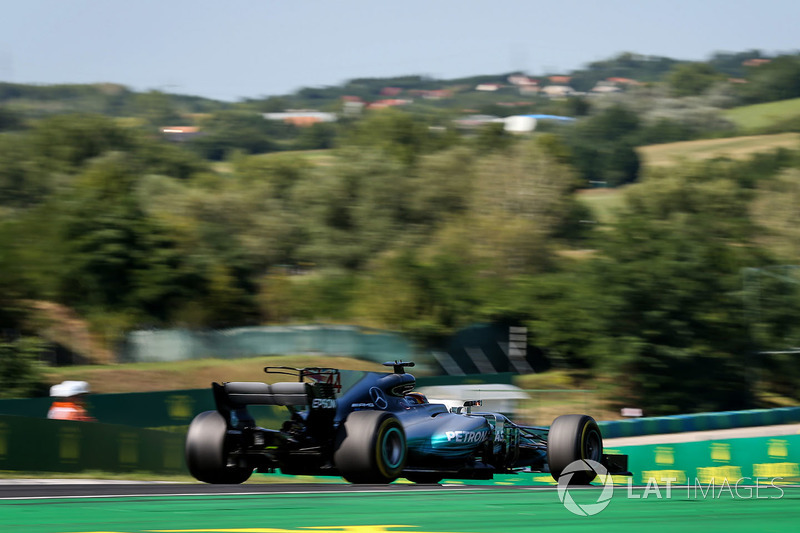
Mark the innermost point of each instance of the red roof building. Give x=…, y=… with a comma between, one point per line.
x=623, y=81
x=391, y=91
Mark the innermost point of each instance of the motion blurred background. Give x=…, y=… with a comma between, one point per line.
x=626, y=229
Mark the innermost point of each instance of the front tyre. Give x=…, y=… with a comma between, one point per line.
x=207, y=448
x=572, y=438
x=370, y=447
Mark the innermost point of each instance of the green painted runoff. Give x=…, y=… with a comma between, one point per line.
x=418, y=511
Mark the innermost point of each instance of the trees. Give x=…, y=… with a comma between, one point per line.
x=692, y=79
x=670, y=279
x=426, y=292
x=401, y=136
x=775, y=210
x=65, y=142
x=353, y=209
x=22, y=181
x=20, y=373
x=778, y=79
x=226, y=131
x=157, y=108
x=105, y=234
x=405, y=226
x=9, y=119
x=603, y=146
x=521, y=199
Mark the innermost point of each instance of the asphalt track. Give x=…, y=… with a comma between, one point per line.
x=322, y=508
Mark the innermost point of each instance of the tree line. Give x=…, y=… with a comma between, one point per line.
x=411, y=228
x=404, y=222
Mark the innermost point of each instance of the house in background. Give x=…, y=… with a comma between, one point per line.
x=605, y=87
x=526, y=85
x=352, y=105
x=432, y=94
x=301, y=117
x=488, y=87
x=389, y=102
x=528, y=123
x=558, y=91
x=180, y=133
x=560, y=80
x=614, y=85
x=624, y=82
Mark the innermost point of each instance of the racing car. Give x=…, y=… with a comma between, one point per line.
x=377, y=430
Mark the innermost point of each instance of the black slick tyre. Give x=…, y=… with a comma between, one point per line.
x=572, y=438
x=370, y=448
x=207, y=451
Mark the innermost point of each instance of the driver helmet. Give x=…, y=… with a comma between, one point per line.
x=416, y=398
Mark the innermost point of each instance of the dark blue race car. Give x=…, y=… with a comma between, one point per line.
x=377, y=430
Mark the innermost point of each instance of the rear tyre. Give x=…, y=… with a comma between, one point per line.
x=572, y=438
x=207, y=448
x=370, y=448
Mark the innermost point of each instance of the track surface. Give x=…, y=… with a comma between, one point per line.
x=139, y=490
x=272, y=508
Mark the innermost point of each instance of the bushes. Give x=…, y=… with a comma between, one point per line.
x=20, y=373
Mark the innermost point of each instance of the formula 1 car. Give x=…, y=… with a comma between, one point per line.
x=377, y=431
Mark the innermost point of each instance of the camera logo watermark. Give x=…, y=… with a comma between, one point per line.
x=592, y=467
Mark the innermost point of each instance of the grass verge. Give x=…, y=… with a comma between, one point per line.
x=193, y=374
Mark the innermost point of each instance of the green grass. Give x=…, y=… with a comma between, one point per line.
x=320, y=158
x=552, y=379
x=99, y=474
x=256, y=478
x=192, y=374
x=758, y=116
x=603, y=202
x=446, y=509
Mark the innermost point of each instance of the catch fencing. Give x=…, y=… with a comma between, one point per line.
x=180, y=344
x=41, y=445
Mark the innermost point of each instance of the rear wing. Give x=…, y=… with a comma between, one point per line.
x=312, y=374
x=234, y=397
x=241, y=393
x=315, y=389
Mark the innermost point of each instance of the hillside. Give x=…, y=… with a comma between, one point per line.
x=732, y=147
x=759, y=116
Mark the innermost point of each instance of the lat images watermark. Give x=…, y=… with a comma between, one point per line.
x=585, y=509
x=745, y=488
